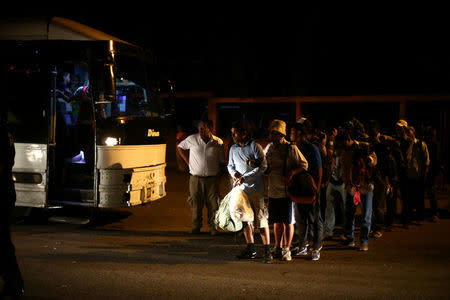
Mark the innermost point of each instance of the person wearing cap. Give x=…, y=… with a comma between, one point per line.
x=417, y=162
x=246, y=165
x=385, y=176
x=307, y=125
x=205, y=159
x=284, y=161
x=401, y=147
x=308, y=216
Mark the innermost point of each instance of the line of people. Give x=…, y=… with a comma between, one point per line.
x=349, y=167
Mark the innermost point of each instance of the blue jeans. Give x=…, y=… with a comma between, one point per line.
x=366, y=215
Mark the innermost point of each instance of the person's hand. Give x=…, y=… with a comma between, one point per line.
x=238, y=179
x=388, y=189
x=353, y=190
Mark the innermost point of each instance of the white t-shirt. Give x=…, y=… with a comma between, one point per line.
x=204, y=158
x=275, y=155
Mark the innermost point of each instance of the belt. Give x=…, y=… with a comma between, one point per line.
x=204, y=176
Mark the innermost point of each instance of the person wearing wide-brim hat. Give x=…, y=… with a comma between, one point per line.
x=284, y=161
x=402, y=123
x=278, y=126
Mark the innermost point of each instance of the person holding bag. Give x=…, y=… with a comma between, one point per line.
x=281, y=208
x=246, y=165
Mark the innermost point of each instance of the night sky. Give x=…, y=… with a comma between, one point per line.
x=285, y=51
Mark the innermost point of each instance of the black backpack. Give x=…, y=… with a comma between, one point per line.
x=301, y=188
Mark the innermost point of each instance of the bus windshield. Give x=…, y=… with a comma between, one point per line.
x=131, y=99
x=134, y=98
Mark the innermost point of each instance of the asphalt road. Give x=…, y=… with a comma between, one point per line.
x=146, y=252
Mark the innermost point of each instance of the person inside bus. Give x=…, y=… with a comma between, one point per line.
x=63, y=88
x=65, y=121
x=84, y=123
x=65, y=96
x=76, y=126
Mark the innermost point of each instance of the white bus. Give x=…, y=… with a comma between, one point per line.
x=83, y=107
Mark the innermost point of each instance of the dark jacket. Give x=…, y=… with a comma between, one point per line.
x=7, y=154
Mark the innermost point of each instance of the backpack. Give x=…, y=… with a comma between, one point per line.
x=416, y=159
x=301, y=188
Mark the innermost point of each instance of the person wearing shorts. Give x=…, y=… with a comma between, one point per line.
x=246, y=165
x=284, y=161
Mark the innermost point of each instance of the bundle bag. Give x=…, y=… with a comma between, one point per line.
x=240, y=209
x=301, y=188
x=223, y=216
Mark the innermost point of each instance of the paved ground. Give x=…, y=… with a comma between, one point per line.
x=146, y=252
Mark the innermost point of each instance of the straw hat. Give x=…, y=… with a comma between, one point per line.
x=402, y=123
x=278, y=126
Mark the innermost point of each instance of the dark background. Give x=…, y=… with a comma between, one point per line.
x=237, y=51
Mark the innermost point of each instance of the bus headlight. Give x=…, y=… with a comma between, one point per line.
x=110, y=141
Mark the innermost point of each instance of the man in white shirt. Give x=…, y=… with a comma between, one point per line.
x=205, y=155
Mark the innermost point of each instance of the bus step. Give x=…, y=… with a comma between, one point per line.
x=69, y=220
x=74, y=203
x=74, y=195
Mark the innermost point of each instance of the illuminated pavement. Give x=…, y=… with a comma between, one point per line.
x=146, y=252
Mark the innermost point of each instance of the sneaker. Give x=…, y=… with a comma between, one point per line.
x=294, y=250
x=247, y=254
x=79, y=158
x=267, y=259
x=276, y=253
x=302, y=251
x=364, y=246
x=434, y=219
x=320, y=248
x=315, y=255
x=377, y=234
x=286, y=254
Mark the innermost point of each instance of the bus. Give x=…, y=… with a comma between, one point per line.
x=85, y=111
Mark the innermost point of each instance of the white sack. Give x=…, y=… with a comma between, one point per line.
x=240, y=209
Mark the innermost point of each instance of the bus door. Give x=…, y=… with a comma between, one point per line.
x=73, y=172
